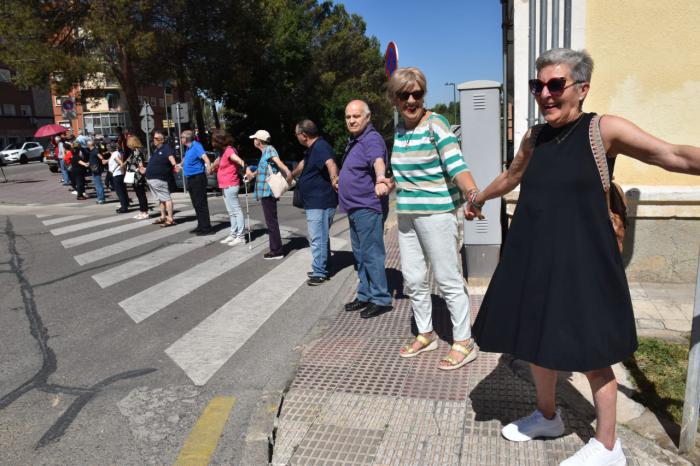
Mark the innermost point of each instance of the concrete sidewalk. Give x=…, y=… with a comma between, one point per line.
x=355, y=401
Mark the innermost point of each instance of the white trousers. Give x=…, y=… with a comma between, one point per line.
x=433, y=239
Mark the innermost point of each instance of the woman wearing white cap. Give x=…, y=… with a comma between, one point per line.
x=269, y=163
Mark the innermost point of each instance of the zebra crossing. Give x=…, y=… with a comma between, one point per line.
x=206, y=347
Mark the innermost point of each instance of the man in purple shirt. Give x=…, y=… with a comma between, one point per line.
x=363, y=168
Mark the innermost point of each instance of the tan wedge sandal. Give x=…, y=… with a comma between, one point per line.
x=426, y=345
x=470, y=353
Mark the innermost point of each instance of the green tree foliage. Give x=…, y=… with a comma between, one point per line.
x=448, y=111
x=69, y=42
x=316, y=59
x=269, y=62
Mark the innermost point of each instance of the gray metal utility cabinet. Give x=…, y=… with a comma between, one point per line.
x=480, y=111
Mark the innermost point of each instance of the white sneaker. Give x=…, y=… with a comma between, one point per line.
x=74, y=192
x=236, y=240
x=227, y=240
x=533, y=426
x=594, y=453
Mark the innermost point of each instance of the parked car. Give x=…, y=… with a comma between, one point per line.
x=22, y=152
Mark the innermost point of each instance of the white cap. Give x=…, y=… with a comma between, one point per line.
x=262, y=135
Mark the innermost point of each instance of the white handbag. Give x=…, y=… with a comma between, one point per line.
x=129, y=177
x=278, y=185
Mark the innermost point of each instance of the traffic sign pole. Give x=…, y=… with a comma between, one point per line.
x=179, y=132
x=148, y=145
x=391, y=63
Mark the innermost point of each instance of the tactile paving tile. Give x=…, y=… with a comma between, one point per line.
x=379, y=372
x=427, y=417
x=339, y=351
x=333, y=445
x=357, y=411
x=313, y=377
x=425, y=380
x=402, y=449
x=396, y=323
x=303, y=405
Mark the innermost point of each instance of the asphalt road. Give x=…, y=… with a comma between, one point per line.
x=116, y=334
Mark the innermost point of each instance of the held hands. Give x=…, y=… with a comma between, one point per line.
x=472, y=209
x=383, y=186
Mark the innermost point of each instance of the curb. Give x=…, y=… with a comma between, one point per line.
x=262, y=430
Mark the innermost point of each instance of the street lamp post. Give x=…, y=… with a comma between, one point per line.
x=454, y=100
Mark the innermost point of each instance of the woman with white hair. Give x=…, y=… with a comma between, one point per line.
x=559, y=298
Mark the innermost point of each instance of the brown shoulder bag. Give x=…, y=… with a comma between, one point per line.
x=614, y=195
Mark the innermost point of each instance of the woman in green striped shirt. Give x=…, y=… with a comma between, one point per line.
x=432, y=179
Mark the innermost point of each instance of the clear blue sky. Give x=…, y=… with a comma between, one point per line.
x=449, y=40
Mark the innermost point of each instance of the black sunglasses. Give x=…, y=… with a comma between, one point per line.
x=556, y=86
x=417, y=95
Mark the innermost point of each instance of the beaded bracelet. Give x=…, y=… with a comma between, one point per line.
x=471, y=198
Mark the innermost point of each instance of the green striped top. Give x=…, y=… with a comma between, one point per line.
x=424, y=167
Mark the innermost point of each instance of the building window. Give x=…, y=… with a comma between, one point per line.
x=4, y=75
x=60, y=99
x=153, y=101
x=25, y=110
x=104, y=123
x=8, y=109
x=161, y=102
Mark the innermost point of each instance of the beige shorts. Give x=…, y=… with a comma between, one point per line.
x=160, y=190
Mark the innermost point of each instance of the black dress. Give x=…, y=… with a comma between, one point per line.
x=559, y=297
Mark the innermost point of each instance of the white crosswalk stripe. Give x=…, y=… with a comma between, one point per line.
x=149, y=301
x=69, y=218
x=204, y=349
x=207, y=347
x=92, y=224
x=152, y=260
x=119, y=247
x=98, y=235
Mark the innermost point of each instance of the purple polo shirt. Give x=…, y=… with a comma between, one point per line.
x=357, y=179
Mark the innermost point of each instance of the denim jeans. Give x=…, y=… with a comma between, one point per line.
x=319, y=224
x=367, y=237
x=235, y=212
x=64, y=172
x=433, y=239
x=99, y=189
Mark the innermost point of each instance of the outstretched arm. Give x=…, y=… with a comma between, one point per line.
x=509, y=179
x=621, y=136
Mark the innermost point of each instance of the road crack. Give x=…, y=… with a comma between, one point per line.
x=40, y=380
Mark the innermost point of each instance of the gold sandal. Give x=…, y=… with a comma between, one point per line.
x=427, y=345
x=470, y=352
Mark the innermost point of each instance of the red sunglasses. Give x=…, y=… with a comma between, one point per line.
x=556, y=86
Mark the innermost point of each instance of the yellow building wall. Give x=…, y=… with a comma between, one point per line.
x=647, y=69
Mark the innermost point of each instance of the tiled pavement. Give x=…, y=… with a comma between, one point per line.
x=353, y=401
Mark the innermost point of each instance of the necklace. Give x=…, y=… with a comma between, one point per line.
x=559, y=139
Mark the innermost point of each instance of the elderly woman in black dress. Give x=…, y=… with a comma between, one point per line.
x=559, y=298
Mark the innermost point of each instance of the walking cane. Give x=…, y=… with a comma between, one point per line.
x=247, y=210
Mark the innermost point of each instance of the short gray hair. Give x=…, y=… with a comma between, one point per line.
x=308, y=127
x=579, y=61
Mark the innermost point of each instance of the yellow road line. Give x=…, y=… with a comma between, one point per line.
x=202, y=441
